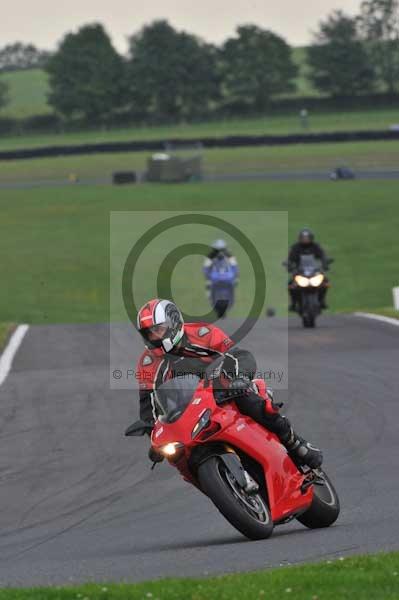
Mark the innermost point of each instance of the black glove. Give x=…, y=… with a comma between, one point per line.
x=155, y=456
x=240, y=386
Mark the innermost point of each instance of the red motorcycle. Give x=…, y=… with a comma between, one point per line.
x=240, y=466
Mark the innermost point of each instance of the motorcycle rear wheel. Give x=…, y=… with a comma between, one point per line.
x=325, y=507
x=249, y=514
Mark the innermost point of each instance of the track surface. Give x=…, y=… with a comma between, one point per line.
x=78, y=501
x=320, y=175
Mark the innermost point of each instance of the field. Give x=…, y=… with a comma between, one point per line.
x=303, y=85
x=27, y=94
x=55, y=241
x=28, y=97
x=269, y=124
x=362, y=578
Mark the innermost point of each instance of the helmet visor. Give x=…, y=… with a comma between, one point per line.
x=305, y=238
x=153, y=336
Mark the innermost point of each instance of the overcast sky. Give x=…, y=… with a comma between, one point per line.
x=44, y=22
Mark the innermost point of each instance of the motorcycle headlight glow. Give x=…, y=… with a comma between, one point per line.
x=202, y=423
x=302, y=281
x=171, y=449
x=317, y=280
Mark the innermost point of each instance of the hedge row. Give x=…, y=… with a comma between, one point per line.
x=52, y=123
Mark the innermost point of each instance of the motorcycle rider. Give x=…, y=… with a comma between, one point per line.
x=306, y=245
x=170, y=341
x=218, y=250
x=220, y=247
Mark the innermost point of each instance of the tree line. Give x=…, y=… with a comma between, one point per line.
x=171, y=75
x=19, y=57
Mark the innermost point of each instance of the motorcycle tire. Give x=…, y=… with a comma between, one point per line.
x=249, y=514
x=220, y=308
x=310, y=309
x=308, y=321
x=325, y=507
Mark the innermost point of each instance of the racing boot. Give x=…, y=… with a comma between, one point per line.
x=301, y=451
x=252, y=405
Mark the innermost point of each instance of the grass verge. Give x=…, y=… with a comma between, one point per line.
x=362, y=578
x=55, y=242
x=6, y=330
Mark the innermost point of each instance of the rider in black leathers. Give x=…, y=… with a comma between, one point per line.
x=305, y=246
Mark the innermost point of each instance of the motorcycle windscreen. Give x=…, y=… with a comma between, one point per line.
x=308, y=264
x=222, y=271
x=174, y=396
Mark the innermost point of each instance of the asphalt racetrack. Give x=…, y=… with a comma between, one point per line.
x=78, y=501
x=287, y=175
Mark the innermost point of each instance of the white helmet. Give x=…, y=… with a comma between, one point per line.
x=219, y=245
x=157, y=314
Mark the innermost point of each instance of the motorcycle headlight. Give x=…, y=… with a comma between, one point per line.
x=302, y=281
x=171, y=449
x=203, y=422
x=317, y=280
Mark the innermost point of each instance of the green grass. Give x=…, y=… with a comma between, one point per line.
x=54, y=243
x=364, y=155
x=303, y=85
x=360, y=578
x=272, y=124
x=27, y=93
x=28, y=97
x=5, y=332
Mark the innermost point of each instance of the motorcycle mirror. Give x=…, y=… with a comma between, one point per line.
x=138, y=428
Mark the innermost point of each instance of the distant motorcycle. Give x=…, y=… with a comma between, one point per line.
x=307, y=281
x=244, y=469
x=222, y=279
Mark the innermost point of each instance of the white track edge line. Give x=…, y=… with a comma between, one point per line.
x=6, y=359
x=378, y=318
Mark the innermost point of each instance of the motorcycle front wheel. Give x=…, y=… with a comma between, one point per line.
x=310, y=309
x=248, y=513
x=220, y=308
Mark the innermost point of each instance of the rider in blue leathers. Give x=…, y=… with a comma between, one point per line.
x=219, y=252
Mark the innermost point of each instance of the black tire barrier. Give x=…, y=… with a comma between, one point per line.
x=124, y=177
x=207, y=143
